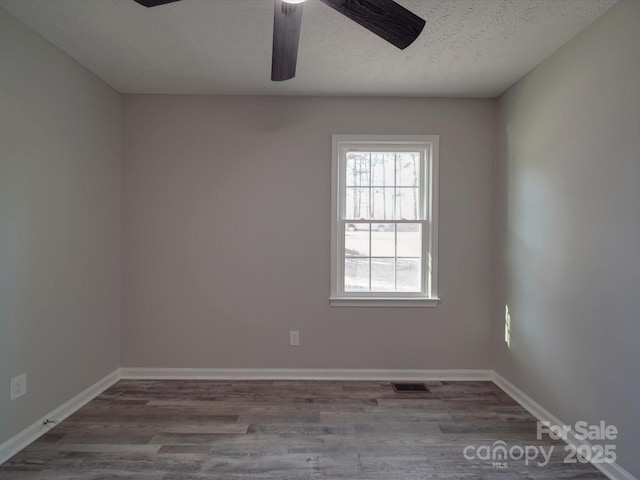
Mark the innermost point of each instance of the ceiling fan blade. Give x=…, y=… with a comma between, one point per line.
x=154, y=3
x=287, y=18
x=385, y=18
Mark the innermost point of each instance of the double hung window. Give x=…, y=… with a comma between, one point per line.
x=384, y=229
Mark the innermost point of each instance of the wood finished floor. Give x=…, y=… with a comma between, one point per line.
x=286, y=430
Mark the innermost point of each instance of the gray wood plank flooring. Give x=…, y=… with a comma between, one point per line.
x=285, y=430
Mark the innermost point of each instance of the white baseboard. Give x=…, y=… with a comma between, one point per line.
x=611, y=470
x=16, y=443
x=302, y=374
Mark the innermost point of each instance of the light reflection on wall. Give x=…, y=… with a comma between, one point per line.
x=507, y=326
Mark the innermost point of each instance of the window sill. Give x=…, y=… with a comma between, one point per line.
x=383, y=302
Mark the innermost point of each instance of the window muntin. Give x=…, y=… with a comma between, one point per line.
x=383, y=243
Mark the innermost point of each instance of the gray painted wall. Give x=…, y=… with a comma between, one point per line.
x=60, y=198
x=226, y=234
x=568, y=249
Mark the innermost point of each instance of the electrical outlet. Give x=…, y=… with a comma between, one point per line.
x=294, y=338
x=18, y=386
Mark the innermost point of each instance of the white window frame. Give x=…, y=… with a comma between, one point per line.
x=429, y=144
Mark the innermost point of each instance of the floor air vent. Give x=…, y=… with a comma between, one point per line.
x=409, y=387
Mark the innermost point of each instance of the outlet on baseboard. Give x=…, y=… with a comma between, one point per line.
x=294, y=338
x=18, y=386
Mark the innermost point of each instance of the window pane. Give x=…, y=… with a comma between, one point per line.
x=383, y=169
x=409, y=275
x=383, y=275
x=383, y=240
x=409, y=240
x=408, y=169
x=357, y=173
x=356, y=275
x=408, y=203
x=356, y=240
x=357, y=203
x=382, y=203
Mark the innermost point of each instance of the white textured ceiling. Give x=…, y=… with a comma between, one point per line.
x=472, y=48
